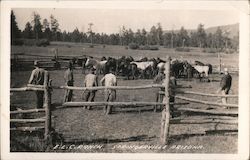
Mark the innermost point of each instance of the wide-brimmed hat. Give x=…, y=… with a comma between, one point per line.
x=225, y=69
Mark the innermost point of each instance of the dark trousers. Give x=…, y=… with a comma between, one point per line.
x=110, y=96
x=68, y=93
x=88, y=96
x=39, y=99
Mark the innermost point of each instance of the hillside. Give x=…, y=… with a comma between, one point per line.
x=231, y=29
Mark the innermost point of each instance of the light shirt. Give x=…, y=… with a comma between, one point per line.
x=90, y=80
x=110, y=80
x=37, y=76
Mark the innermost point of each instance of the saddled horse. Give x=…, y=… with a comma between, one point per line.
x=98, y=65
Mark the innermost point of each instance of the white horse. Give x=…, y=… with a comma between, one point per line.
x=98, y=65
x=143, y=65
x=202, y=69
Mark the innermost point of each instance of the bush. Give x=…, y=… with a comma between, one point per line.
x=154, y=48
x=91, y=46
x=42, y=42
x=18, y=42
x=182, y=49
x=133, y=46
x=147, y=47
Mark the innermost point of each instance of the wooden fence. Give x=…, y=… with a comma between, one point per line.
x=165, y=120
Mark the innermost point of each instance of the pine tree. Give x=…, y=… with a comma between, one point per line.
x=15, y=32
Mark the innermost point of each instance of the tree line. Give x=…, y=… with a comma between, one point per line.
x=49, y=29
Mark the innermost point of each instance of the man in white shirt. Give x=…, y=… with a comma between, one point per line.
x=90, y=81
x=110, y=94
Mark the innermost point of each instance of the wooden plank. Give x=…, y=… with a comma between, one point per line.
x=166, y=111
x=111, y=87
x=203, y=94
x=47, y=105
x=206, y=102
x=27, y=120
x=31, y=129
x=202, y=121
x=209, y=111
x=25, y=89
x=80, y=104
x=27, y=111
x=208, y=94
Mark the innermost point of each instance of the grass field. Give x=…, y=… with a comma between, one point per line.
x=127, y=126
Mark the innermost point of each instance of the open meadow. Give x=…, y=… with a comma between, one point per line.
x=126, y=126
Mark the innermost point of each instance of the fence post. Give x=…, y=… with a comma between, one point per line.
x=219, y=57
x=166, y=110
x=47, y=104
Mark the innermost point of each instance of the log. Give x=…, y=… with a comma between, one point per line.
x=35, y=86
x=166, y=111
x=27, y=111
x=206, y=102
x=31, y=129
x=27, y=120
x=111, y=87
x=209, y=111
x=25, y=89
x=203, y=94
x=47, y=105
x=76, y=104
x=202, y=121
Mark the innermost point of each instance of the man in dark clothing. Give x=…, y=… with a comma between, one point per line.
x=37, y=78
x=225, y=85
x=69, y=81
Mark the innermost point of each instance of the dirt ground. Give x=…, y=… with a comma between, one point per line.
x=127, y=129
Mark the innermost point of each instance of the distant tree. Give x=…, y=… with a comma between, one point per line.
x=15, y=32
x=183, y=38
x=144, y=36
x=27, y=32
x=46, y=29
x=167, y=39
x=201, y=35
x=54, y=27
x=75, y=37
x=153, y=36
x=159, y=34
x=37, y=26
x=218, y=37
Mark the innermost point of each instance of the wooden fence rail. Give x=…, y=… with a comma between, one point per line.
x=203, y=94
x=27, y=120
x=27, y=111
x=223, y=112
x=206, y=102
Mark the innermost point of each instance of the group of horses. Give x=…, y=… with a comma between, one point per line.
x=145, y=68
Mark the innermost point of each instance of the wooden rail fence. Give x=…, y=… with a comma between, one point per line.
x=165, y=120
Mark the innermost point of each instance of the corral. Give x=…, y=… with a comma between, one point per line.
x=129, y=125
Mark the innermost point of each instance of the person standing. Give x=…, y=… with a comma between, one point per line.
x=69, y=81
x=37, y=78
x=90, y=81
x=225, y=85
x=110, y=94
x=159, y=80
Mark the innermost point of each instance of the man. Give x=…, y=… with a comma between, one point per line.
x=37, y=78
x=90, y=81
x=225, y=85
x=172, y=84
x=110, y=94
x=69, y=81
x=159, y=80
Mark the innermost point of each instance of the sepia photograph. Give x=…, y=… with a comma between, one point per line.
x=159, y=80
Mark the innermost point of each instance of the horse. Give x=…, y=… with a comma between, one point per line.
x=145, y=68
x=98, y=65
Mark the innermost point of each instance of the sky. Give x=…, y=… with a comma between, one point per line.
x=110, y=20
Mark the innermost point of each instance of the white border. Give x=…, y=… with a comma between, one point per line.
x=242, y=6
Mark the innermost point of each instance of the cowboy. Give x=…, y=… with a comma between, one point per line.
x=225, y=85
x=90, y=81
x=110, y=94
x=69, y=81
x=37, y=78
